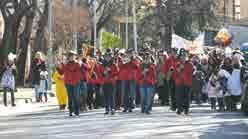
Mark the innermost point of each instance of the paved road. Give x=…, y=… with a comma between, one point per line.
x=41, y=121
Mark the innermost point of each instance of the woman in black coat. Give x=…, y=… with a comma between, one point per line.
x=37, y=64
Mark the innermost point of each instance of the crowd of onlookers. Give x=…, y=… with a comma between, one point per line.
x=124, y=79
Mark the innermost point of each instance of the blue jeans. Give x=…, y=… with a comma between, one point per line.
x=126, y=95
x=132, y=87
x=146, y=96
x=73, y=98
x=83, y=88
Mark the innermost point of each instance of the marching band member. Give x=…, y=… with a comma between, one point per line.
x=124, y=77
x=110, y=76
x=72, y=77
x=147, y=81
x=97, y=81
x=168, y=70
x=183, y=80
x=84, y=83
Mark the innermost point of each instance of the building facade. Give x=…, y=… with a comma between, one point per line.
x=234, y=9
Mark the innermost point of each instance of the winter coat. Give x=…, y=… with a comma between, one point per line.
x=124, y=74
x=111, y=74
x=214, y=87
x=184, y=76
x=147, y=76
x=234, y=83
x=97, y=76
x=72, y=73
x=8, y=79
x=85, y=71
x=37, y=65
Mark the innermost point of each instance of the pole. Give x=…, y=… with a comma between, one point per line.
x=224, y=11
x=135, y=26
x=126, y=25
x=74, y=25
x=50, y=44
x=95, y=24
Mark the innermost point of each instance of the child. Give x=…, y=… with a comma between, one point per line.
x=215, y=92
x=43, y=84
x=8, y=82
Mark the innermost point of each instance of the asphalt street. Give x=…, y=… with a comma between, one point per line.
x=44, y=121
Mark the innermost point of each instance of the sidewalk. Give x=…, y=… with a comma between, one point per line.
x=25, y=101
x=20, y=95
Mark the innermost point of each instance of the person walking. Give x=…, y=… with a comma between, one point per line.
x=84, y=84
x=124, y=78
x=234, y=86
x=110, y=77
x=169, y=72
x=8, y=82
x=162, y=88
x=147, y=80
x=183, y=79
x=72, y=76
x=61, y=91
x=215, y=93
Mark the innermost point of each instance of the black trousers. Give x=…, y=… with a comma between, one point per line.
x=108, y=90
x=231, y=102
x=172, y=93
x=5, y=91
x=118, y=96
x=98, y=102
x=163, y=92
x=183, y=98
x=220, y=101
x=90, y=96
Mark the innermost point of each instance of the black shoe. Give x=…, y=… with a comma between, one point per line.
x=13, y=105
x=112, y=112
x=130, y=110
x=148, y=113
x=70, y=115
x=106, y=113
x=124, y=111
x=178, y=112
x=77, y=115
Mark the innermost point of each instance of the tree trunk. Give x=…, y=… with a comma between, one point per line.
x=24, y=42
x=40, y=33
x=168, y=37
x=92, y=36
x=9, y=40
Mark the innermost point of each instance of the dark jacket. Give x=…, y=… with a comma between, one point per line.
x=36, y=68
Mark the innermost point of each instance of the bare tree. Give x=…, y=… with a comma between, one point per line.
x=13, y=11
x=105, y=10
x=42, y=15
x=171, y=11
